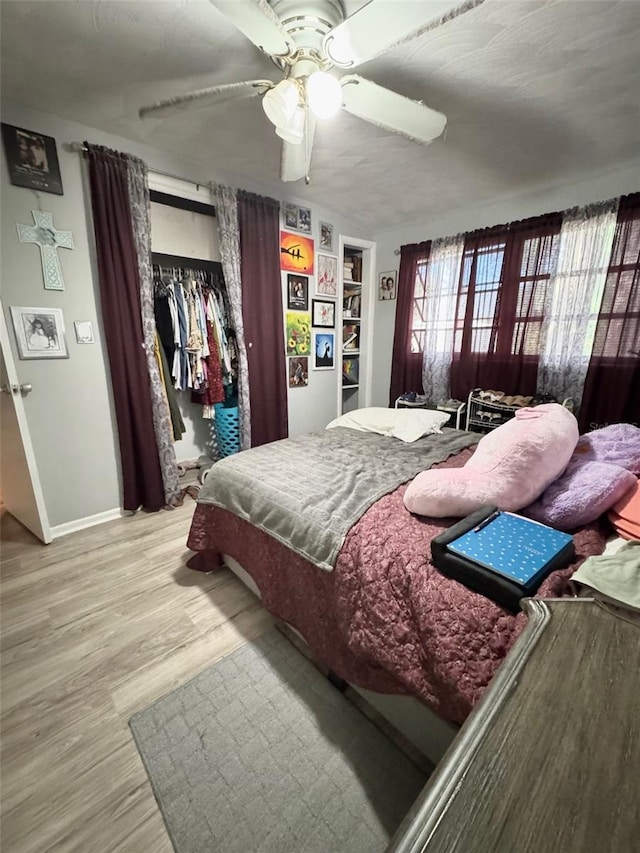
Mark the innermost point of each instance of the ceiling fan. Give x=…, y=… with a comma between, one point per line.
x=308, y=40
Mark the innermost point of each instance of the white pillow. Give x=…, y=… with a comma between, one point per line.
x=405, y=424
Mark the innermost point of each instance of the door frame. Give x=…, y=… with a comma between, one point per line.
x=21, y=416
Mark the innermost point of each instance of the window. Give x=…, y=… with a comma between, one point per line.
x=418, y=316
x=476, y=322
x=539, y=260
x=617, y=333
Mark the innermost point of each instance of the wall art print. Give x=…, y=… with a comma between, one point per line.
x=323, y=313
x=324, y=346
x=297, y=292
x=327, y=275
x=298, y=371
x=298, y=333
x=326, y=237
x=32, y=159
x=296, y=253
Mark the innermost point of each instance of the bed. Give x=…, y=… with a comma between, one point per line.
x=373, y=609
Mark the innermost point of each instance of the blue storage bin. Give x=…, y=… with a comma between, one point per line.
x=227, y=429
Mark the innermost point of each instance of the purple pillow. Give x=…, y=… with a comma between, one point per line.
x=618, y=444
x=581, y=494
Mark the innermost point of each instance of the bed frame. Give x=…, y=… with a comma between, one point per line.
x=424, y=730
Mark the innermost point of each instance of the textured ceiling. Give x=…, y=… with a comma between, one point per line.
x=535, y=91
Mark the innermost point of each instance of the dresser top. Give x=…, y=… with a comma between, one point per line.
x=549, y=760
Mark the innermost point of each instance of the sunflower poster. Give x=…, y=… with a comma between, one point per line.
x=296, y=253
x=298, y=333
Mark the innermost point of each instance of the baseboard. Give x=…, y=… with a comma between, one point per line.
x=89, y=521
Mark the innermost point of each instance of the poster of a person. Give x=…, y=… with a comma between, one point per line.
x=387, y=285
x=32, y=159
x=40, y=332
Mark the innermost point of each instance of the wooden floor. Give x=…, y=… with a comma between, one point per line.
x=94, y=627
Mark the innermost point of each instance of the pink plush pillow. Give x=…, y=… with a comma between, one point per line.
x=511, y=467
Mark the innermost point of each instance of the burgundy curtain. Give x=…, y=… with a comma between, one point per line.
x=612, y=386
x=259, y=225
x=503, y=284
x=121, y=314
x=406, y=366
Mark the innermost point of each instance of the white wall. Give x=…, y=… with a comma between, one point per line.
x=621, y=180
x=70, y=411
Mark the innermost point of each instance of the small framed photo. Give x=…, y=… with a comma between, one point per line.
x=324, y=346
x=304, y=220
x=39, y=332
x=387, y=285
x=323, y=314
x=84, y=332
x=326, y=237
x=32, y=159
x=298, y=371
x=350, y=372
x=291, y=216
x=297, y=292
x=326, y=275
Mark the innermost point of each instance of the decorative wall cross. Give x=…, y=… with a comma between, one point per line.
x=44, y=235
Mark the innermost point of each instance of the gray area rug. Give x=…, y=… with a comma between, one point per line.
x=261, y=753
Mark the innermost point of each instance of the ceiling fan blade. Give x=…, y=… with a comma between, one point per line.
x=212, y=96
x=391, y=111
x=296, y=159
x=374, y=29
x=259, y=23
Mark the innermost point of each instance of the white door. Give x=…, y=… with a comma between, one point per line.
x=20, y=484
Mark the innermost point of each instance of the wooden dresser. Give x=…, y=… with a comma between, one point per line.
x=549, y=760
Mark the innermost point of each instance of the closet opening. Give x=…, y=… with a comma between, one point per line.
x=194, y=329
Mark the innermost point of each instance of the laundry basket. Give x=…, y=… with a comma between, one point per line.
x=227, y=429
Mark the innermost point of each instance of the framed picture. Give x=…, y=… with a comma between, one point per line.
x=326, y=237
x=323, y=313
x=291, y=216
x=84, y=332
x=324, y=346
x=350, y=371
x=304, y=220
x=298, y=333
x=296, y=253
x=297, y=292
x=32, y=159
x=298, y=371
x=387, y=285
x=39, y=332
x=327, y=275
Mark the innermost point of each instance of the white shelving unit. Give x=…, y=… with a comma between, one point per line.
x=484, y=415
x=354, y=323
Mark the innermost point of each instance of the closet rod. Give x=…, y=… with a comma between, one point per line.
x=79, y=148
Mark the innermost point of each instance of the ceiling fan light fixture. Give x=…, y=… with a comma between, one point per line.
x=324, y=95
x=281, y=103
x=294, y=131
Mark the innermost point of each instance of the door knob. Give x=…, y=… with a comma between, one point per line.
x=26, y=388
x=9, y=389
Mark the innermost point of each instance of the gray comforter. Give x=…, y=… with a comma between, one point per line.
x=308, y=491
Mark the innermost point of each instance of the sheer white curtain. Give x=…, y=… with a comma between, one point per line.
x=573, y=299
x=226, y=202
x=441, y=295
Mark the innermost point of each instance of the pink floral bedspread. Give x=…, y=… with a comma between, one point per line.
x=385, y=618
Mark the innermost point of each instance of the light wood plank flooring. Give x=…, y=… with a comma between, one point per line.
x=94, y=627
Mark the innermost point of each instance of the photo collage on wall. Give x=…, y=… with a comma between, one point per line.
x=310, y=322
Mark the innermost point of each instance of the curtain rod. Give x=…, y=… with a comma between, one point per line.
x=80, y=148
